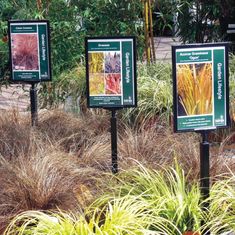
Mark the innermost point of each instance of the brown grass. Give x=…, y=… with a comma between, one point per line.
x=14, y=134
x=41, y=171
x=71, y=133
x=63, y=162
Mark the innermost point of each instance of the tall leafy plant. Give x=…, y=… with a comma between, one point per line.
x=198, y=20
x=164, y=17
x=111, y=18
x=67, y=40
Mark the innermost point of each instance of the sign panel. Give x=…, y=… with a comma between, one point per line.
x=29, y=46
x=111, y=72
x=200, y=86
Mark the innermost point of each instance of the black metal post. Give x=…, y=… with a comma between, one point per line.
x=34, y=104
x=205, y=171
x=113, y=122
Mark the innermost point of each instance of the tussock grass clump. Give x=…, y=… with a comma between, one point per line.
x=47, y=180
x=96, y=153
x=38, y=173
x=69, y=132
x=122, y=216
x=221, y=215
x=14, y=134
x=63, y=162
x=156, y=146
x=172, y=204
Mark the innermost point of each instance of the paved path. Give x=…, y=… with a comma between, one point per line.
x=163, y=47
x=15, y=97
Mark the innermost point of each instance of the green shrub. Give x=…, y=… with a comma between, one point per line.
x=70, y=83
x=70, y=22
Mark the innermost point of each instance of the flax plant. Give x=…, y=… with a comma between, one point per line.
x=194, y=84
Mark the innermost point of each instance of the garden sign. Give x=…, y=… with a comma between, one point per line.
x=111, y=79
x=29, y=51
x=201, y=97
x=200, y=87
x=29, y=48
x=111, y=72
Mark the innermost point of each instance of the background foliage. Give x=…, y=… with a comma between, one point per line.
x=70, y=22
x=197, y=20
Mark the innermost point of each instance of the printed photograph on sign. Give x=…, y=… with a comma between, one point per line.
x=113, y=83
x=104, y=73
x=96, y=62
x=194, y=85
x=97, y=84
x=25, y=52
x=112, y=62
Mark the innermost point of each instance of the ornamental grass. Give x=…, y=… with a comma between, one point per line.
x=65, y=162
x=194, y=87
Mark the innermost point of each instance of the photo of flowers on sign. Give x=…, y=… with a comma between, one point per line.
x=113, y=83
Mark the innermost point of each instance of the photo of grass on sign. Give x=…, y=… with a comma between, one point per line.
x=96, y=62
x=96, y=85
x=194, y=87
x=113, y=83
x=25, y=52
x=112, y=62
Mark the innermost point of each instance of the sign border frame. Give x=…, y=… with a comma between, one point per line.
x=175, y=113
x=49, y=50
x=134, y=72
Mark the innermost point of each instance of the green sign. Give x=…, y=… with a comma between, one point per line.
x=200, y=86
x=29, y=51
x=111, y=72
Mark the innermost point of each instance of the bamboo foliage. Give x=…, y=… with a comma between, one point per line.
x=194, y=85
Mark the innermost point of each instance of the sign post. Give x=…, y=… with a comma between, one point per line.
x=29, y=46
x=113, y=122
x=34, y=104
x=111, y=79
x=201, y=96
x=205, y=171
